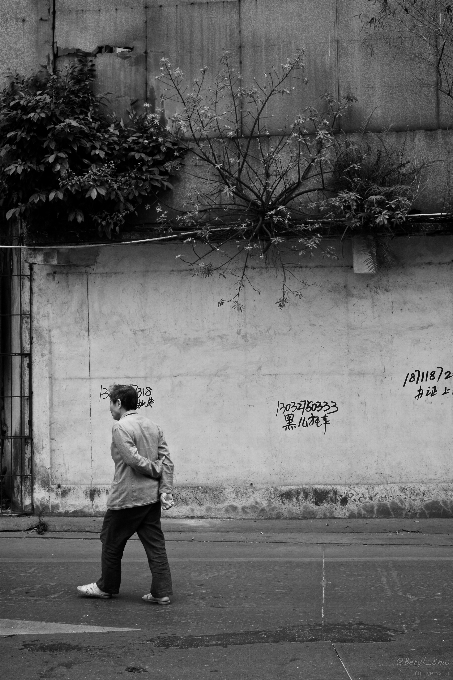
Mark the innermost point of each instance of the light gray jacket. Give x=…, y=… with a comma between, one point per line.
x=143, y=468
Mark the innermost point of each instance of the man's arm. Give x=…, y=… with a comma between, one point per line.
x=128, y=452
x=166, y=479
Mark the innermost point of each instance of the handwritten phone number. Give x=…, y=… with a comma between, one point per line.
x=427, y=376
x=307, y=406
x=294, y=413
x=144, y=395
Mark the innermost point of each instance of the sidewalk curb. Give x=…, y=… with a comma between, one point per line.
x=85, y=524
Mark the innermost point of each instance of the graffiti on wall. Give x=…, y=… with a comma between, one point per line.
x=306, y=413
x=145, y=398
x=429, y=383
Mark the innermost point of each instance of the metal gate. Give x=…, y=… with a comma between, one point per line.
x=15, y=386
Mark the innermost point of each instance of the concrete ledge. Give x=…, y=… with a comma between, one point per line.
x=246, y=527
x=31, y=522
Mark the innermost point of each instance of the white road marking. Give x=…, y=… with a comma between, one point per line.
x=18, y=627
x=342, y=663
x=79, y=560
x=384, y=582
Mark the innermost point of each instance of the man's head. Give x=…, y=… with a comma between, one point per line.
x=123, y=398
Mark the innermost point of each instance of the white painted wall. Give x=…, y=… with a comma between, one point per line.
x=137, y=315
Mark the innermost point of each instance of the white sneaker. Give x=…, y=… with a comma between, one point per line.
x=156, y=600
x=92, y=590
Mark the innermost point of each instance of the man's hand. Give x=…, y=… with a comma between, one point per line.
x=166, y=500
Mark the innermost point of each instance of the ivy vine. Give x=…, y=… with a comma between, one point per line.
x=70, y=171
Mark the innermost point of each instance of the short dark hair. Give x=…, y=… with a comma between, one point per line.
x=127, y=394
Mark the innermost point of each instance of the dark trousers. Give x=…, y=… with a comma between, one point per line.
x=118, y=527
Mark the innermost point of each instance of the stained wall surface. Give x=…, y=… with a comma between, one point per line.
x=25, y=36
x=393, y=86
x=219, y=378
x=394, y=83
x=393, y=79
x=222, y=381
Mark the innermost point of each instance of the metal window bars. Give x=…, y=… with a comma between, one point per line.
x=16, y=471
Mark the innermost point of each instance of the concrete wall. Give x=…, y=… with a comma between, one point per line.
x=218, y=378
x=393, y=79
x=398, y=89
x=25, y=36
x=388, y=79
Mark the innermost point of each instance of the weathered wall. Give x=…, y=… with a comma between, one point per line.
x=25, y=36
x=398, y=89
x=135, y=314
x=394, y=83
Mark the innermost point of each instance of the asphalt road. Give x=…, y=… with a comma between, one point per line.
x=247, y=604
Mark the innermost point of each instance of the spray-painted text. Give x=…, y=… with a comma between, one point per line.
x=306, y=413
x=144, y=395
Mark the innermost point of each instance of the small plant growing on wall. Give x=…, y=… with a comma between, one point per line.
x=259, y=195
x=256, y=187
x=374, y=188
x=67, y=170
x=274, y=194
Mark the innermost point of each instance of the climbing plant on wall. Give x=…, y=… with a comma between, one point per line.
x=257, y=195
x=374, y=186
x=275, y=194
x=67, y=169
x=256, y=187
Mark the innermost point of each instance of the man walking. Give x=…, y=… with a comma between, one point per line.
x=142, y=484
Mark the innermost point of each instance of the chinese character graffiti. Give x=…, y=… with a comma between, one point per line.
x=145, y=398
x=306, y=413
x=434, y=377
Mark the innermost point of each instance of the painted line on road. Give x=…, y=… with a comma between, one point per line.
x=58, y=560
x=19, y=627
x=342, y=662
